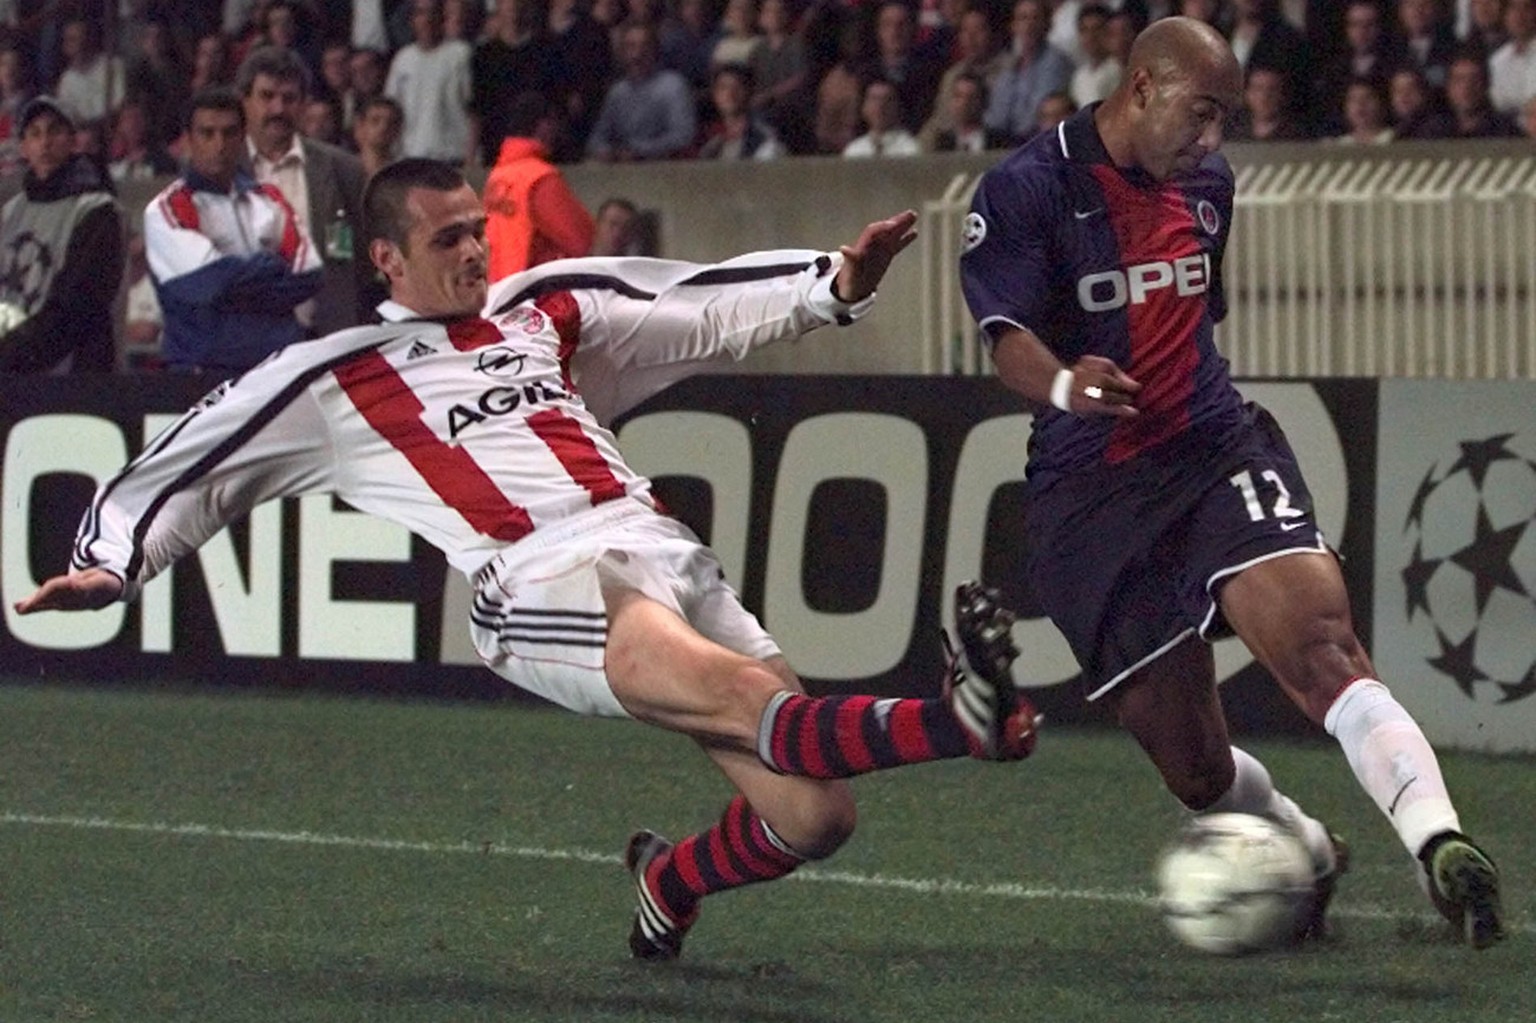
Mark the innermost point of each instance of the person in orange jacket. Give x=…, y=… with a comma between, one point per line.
x=532, y=216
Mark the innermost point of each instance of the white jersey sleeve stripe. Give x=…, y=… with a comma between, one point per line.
x=568, y=282
x=706, y=277
x=215, y=450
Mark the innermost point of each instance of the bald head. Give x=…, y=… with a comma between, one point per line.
x=1186, y=46
x=1180, y=84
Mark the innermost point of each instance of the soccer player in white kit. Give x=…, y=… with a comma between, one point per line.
x=476, y=416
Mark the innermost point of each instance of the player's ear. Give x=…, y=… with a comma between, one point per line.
x=386, y=255
x=1141, y=88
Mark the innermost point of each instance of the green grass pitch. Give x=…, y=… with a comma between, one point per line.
x=226, y=857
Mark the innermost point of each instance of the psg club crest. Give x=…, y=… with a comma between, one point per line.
x=1209, y=218
x=973, y=232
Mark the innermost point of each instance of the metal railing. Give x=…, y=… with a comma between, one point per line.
x=1418, y=267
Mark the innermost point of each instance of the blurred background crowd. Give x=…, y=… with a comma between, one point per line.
x=672, y=79
x=262, y=120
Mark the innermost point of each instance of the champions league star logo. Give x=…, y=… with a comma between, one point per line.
x=973, y=232
x=28, y=264
x=1471, y=579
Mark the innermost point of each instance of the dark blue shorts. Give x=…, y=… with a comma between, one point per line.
x=1128, y=560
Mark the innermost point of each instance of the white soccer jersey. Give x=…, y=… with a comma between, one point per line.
x=471, y=433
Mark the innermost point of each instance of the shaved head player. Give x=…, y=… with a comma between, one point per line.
x=1163, y=510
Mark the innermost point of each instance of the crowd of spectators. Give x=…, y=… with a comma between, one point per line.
x=328, y=91
x=749, y=79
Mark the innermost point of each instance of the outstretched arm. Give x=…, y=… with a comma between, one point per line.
x=77, y=591
x=261, y=437
x=867, y=259
x=677, y=318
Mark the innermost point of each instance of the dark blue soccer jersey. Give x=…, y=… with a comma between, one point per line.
x=1097, y=260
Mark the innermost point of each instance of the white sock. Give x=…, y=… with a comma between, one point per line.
x=1253, y=791
x=1393, y=761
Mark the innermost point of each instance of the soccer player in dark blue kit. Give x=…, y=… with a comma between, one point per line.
x=1163, y=510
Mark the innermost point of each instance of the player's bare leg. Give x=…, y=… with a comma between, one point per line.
x=782, y=750
x=1293, y=613
x=665, y=673
x=1172, y=708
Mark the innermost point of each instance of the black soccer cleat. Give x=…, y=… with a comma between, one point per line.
x=998, y=719
x=1312, y=924
x=654, y=936
x=1464, y=886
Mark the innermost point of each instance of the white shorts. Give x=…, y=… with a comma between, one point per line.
x=539, y=621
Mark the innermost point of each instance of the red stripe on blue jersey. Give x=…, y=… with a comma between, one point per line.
x=1154, y=226
x=1098, y=259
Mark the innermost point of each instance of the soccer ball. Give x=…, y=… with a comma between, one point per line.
x=1232, y=883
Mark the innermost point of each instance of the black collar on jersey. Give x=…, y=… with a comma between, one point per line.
x=441, y=321
x=1080, y=142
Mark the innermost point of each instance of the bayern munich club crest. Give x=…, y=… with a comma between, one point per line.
x=524, y=317
x=1209, y=218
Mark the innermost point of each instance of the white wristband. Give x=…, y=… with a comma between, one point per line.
x=1061, y=389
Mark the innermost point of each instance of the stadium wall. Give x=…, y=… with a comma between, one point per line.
x=705, y=211
x=846, y=508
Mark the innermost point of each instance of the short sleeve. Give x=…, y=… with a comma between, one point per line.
x=1005, y=254
x=1226, y=189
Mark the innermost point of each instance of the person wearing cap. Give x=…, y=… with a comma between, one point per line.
x=61, y=253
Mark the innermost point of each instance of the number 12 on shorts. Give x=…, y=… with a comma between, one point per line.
x=1282, y=509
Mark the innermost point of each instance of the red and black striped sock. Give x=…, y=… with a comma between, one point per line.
x=844, y=736
x=740, y=850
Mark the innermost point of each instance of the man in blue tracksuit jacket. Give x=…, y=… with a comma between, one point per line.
x=229, y=257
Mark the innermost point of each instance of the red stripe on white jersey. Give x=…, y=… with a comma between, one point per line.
x=388, y=405
x=467, y=335
x=181, y=210
x=577, y=455
x=565, y=314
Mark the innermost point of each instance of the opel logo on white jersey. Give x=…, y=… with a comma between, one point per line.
x=500, y=362
x=1111, y=289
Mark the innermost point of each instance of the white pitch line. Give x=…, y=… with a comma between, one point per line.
x=812, y=875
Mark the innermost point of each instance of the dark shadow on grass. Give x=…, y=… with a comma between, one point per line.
x=765, y=992
x=1177, y=978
